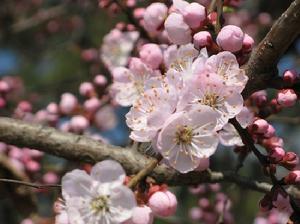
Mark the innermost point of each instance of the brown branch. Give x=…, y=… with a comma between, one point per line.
x=85, y=149
x=28, y=184
x=261, y=67
x=39, y=18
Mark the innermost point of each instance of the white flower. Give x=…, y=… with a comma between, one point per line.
x=98, y=198
x=129, y=84
x=229, y=136
x=188, y=137
x=117, y=47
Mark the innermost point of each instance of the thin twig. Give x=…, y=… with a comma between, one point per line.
x=28, y=184
x=219, y=16
x=212, y=6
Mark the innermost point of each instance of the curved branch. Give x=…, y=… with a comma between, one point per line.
x=261, y=67
x=76, y=147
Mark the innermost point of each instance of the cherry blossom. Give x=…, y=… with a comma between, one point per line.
x=187, y=137
x=98, y=197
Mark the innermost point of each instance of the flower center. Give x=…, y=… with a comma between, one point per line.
x=209, y=99
x=179, y=65
x=184, y=135
x=100, y=204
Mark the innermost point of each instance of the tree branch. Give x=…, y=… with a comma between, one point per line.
x=261, y=67
x=85, y=149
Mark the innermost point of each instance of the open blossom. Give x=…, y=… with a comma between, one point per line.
x=98, y=198
x=229, y=136
x=225, y=65
x=116, y=47
x=129, y=83
x=188, y=137
x=149, y=113
x=212, y=92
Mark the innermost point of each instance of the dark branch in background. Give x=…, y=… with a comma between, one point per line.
x=85, y=149
x=261, y=67
x=42, y=16
x=28, y=184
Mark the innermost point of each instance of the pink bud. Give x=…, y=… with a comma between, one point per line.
x=68, y=103
x=290, y=160
x=286, y=97
x=195, y=214
x=151, y=54
x=79, y=123
x=92, y=104
x=27, y=221
x=138, y=13
x=25, y=106
x=50, y=178
x=273, y=142
x=204, y=203
x=178, y=31
x=141, y=215
x=163, y=203
x=276, y=154
x=248, y=43
x=154, y=16
x=4, y=87
x=89, y=54
x=212, y=17
x=86, y=89
x=259, y=97
x=230, y=38
x=52, y=108
x=32, y=166
x=293, y=177
x=130, y=3
x=202, y=39
x=290, y=76
x=260, y=126
x=265, y=203
x=15, y=152
x=270, y=132
x=203, y=165
x=2, y=102
x=194, y=15
x=100, y=80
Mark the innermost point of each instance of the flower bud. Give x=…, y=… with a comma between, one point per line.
x=86, y=89
x=290, y=76
x=270, y=132
x=154, y=16
x=286, y=97
x=204, y=203
x=260, y=126
x=50, y=178
x=92, y=104
x=202, y=39
x=151, y=55
x=178, y=31
x=68, y=103
x=25, y=106
x=195, y=214
x=230, y=38
x=290, y=160
x=163, y=203
x=194, y=15
x=276, y=154
x=265, y=203
x=79, y=123
x=272, y=142
x=293, y=177
x=141, y=215
x=4, y=87
x=248, y=43
x=259, y=98
x=100, y=80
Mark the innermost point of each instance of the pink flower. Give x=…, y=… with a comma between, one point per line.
x=50, y=178
x=98, y=197
x=260, y=126
x=194, y=15
x=141, y=215
x=245, y=117
x=68, y=103
x=276, y=154
x=105, y=118
x=248, y=43
x=212, y=92
x=163, y=203
x=150, y=112
x=293, y=177
x=100, y=80
x=230, y=38
x=188, y=137
x=202, y=39
x=151, y=54
x=290, y=76
x=229, y=136
x=286, y=97
x=225, y=65
x=129, y=83
x=92, y=104
x=178, y=31
x=154, y=16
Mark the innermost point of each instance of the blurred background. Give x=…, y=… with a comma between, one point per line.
x=49, y=47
